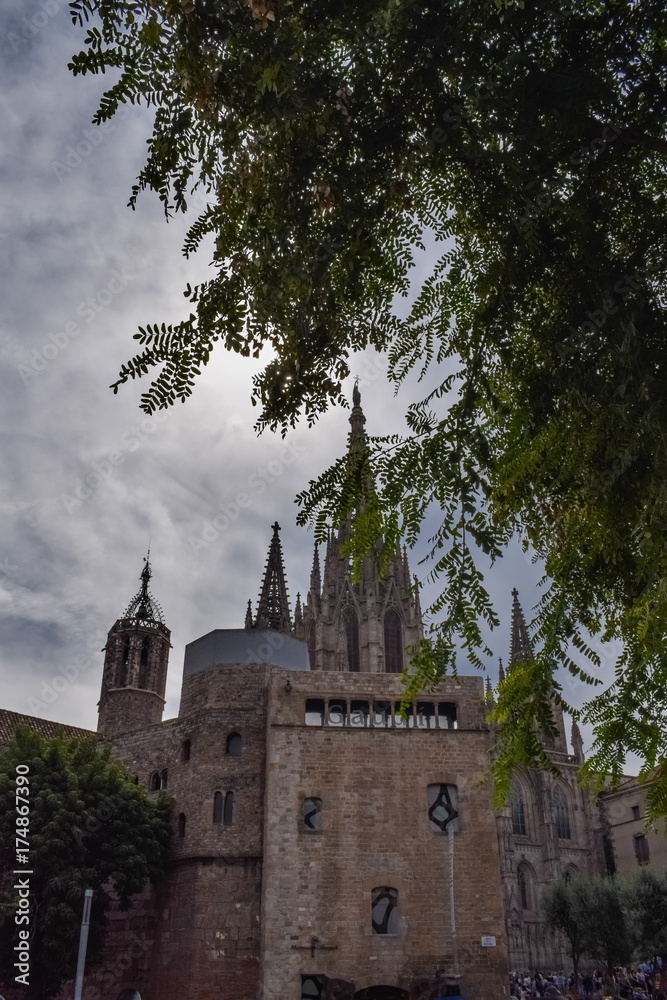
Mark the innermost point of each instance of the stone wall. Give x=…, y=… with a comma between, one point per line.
x=373, y=785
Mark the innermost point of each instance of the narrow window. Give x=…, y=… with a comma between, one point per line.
x=310, y=642
x=359, y=714
x=155, y=781
x=426, y=718
x=635, y=812
x=337, y=712
x=524, y=893
x=217, y=807
x=384, y=910
x=312, y=987
x=561, y=814
x=447, y=715
x=443, y=813
x=518, y=814
x=401, y=722
x=163, y=779
x=181, y=824
x=641, y=849
x=393, y=643
x=382, y=714
x=314, y=712
x=228, y=811
x=185, y=750
x=234, y=745
x=124, y=668
x=348, y=632
x=143, y=664
x=312, y=814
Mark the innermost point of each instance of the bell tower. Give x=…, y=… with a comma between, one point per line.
x=135, y=666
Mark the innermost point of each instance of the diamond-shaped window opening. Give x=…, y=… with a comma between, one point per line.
x=443, y=808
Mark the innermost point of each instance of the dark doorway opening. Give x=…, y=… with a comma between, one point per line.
x=382, y=993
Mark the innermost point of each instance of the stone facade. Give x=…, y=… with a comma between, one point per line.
x=624, y=810
x=329, y=845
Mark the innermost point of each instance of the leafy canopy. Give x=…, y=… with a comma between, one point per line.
x=528, y=139
x=609, y=919
x=90, y=827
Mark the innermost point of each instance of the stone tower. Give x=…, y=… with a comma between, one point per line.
x=135, y=666
x=365, y=626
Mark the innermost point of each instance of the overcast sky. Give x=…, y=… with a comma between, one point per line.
x=80, y=272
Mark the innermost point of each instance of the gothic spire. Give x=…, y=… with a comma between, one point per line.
x=501, y=669
x=577, y=742
x=418, y=607
x=273, y=607
x=315, y=579
x=248, y=616
x=521, y=647
x=357, y=438
x=143, y=605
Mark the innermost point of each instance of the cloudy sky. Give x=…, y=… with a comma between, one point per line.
x=87, y=479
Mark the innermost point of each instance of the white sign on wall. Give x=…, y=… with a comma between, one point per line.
x=488, y=941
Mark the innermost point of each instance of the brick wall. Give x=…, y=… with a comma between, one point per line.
x=373, y=783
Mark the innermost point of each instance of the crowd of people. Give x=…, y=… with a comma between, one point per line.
x=629, y=984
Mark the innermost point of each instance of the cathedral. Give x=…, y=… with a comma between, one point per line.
x=328, y=845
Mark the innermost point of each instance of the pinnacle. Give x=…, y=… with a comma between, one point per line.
x=521, y=648
x=273, y=607
x=143, y=604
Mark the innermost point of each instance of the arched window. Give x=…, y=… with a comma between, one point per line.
x=523, y=879
x=348, y=640
x=217, y=807
x=393, y=642
x=185, y=750
x=312, y=987
x=143, y=663
x=234, y=745
x=228, y=811
x=518, y=807
x=181, y=824
x=561, y=814
x=384, y=910
x=443, y=813
x=163, y=779
x=155, y=781
x=123, y=669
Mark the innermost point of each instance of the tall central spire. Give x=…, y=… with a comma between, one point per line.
x=357, y=421
x=273, y=608
x=521, y=648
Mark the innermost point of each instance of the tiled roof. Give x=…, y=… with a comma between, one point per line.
x=10, y=720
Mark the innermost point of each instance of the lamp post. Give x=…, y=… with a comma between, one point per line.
x=83, y=943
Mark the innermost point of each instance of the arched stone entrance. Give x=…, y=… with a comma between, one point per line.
x=381, y=993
